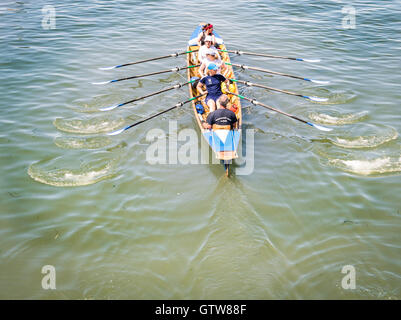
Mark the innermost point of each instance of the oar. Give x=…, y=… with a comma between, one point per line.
x=154, y=116
x=250, y=84
x=177, y=86
x=147, y=60
x=239, y=52
x=277, y=73
x=257, y=103
x=176, y=69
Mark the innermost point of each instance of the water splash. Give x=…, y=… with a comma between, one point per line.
x=89, y=126
x=82, y=142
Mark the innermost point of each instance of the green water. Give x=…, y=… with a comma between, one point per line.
x=115, y=226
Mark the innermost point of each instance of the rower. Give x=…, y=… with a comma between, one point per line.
x=211, y=57
x=213, y=85
x=222, y=118
x=205, y=48
x=207, y=30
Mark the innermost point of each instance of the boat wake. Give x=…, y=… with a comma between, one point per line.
x=53, y=172
x=338, y=118
x=89, y=126
x=82, y=142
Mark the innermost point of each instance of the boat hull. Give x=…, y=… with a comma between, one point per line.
x=224, y=143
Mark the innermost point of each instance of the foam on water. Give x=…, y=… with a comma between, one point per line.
x=364, y=156
x=365, y=141
x=86, y=109
x=338, y=118
x=334, y=98
x=341, y=98
x=93, y=104
x=86, y=174
x=381, y=165
x=89, y=126
x=82, y=142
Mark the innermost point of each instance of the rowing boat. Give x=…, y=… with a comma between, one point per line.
x=222, y=141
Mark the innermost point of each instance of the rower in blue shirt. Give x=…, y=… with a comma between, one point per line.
x=213, y=86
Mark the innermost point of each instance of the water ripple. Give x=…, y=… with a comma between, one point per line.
x=82, y=142
x=381, y=165
x=337, y=118
x=49, y=172
x=89, y=126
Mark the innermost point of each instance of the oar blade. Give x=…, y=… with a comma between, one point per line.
x=110, y=68
x=311, y=60
x=319, y=127
x=100, y=83
x=317, y=99
x=114, y=133
x=319, y=81
x=110, y=107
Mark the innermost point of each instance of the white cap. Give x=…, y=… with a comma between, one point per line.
x=209, y=38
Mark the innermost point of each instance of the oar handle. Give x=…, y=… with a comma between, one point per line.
x=251, y=84
x=154, y=116
x=176, y=54
x=180, y=104
x=176, y=69
x=240, y=52
x=177, y=86
x=244, y=67
x=144, y=75
x=142, y=61
x=257, y=103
